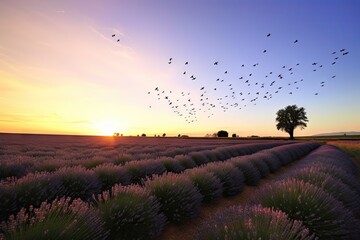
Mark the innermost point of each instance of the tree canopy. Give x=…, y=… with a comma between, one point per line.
x=222, y=133
x=290, y=118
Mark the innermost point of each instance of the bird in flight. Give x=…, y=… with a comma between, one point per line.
x=113, y=35
x=216, y=63
x=268, y=35
x=296, y=41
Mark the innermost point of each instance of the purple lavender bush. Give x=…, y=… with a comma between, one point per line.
x=61, y=219
x=252, y=222
x=78, y=182
x=210, y=155
x=185, y=161
x=321, y=213
x=209, y=186
x=259, y=163
x=272, y=161
x=340, y=191
x=31, y=189
x=251, y=173
x=139, y=170
x=171, y=165
x=291, y=152
x=7, y=202
x=231, y=178
x=338, y=173
x=122, y=159
x=109, y=175
x=14, y=169
x=331, y=154
x=178, y=196
x=130, y=212
x=199, y=158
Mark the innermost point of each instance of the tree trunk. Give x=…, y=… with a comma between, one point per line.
x=291, y=132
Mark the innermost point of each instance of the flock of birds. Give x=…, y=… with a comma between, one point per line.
x=113, y=36
x=248, y=89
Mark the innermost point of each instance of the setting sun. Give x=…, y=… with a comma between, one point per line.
x=106, y=128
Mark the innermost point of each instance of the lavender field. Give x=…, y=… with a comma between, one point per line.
x=71, y=187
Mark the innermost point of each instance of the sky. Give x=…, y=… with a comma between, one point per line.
x=62, y=72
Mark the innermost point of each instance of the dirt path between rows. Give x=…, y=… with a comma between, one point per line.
x=187, y=231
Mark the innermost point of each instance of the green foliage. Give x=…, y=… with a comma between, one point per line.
x=122, y=159
x=250, y=223
x=92, y=163
x=33, y=189
x=336, y=188
x=110, y=175
x=251, y=173
x=291, y=117
x=62, y=219
x=318, y=210
x=186, y=161
x=78, y=182
x=230, y=177
x=178, y=196
x=199, y=158
x=171, y=164
x=222, y=133
x=209, y=186
x=131, y=213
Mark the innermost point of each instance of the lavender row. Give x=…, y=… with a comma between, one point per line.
x=136, y=212
x=19, y=162
x=78, y=182
x=252, y=222
x=323, y=193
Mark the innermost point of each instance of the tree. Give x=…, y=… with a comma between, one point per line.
x=234, y=135
x=143, y=135
x=290, y=118
x=164, y=134
x=222, y=133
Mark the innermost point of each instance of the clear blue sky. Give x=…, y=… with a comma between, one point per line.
x=62, y=72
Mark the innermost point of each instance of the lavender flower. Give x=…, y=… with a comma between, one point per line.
x=131, y=213
x=178, y=196
x=232, y=179
x=318, y=210
x=252, y=222
x=209, y=186
x=61, y=219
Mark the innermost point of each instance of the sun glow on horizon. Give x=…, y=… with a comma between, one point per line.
x=106, y=128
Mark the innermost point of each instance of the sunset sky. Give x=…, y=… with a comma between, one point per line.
x=62, y=72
